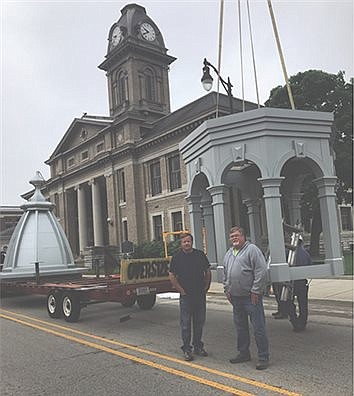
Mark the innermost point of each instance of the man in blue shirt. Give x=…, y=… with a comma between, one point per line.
x=300, y=290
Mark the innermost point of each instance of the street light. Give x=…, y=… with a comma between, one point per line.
x=207, y=81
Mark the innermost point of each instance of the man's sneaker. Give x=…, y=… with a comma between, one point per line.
x=240, y=359
x=275, y=313
x=262, y=364
x=187, y=356
x=201, y=352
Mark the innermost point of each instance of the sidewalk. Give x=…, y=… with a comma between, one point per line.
x=335, y=289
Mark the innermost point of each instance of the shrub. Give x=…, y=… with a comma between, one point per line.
x=154, y=249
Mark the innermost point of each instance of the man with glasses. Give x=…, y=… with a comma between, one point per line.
x=245, y=272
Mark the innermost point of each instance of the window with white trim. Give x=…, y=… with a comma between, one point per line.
x=155, y=178
x=174, y=172
x=157, y=227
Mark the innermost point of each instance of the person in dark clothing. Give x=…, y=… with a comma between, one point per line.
x=282, y=312
x=300, y=291
x=2, y=256
x=190, y=275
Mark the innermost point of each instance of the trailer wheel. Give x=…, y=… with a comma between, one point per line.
x=129, y=301
x=146, y=302
x=71, y=307
x=54, y=298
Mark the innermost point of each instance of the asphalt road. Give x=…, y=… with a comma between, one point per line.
x=113, y=350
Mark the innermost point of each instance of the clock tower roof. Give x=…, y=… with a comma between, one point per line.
x=134, y=27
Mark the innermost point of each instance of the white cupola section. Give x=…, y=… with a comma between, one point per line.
x=38, y=238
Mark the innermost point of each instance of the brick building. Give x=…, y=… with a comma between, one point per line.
x=120, y=177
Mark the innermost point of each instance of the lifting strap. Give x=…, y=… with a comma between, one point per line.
x=241, y=56
x=253, y=56
x=221, y=24
x=291, y=99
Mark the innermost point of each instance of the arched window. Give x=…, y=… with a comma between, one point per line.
x=150, y=85
x=122, y=87
x=115, y=90
x=119, y=88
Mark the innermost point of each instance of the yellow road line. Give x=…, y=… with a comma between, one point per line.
x=136, y=359
x=169, y=358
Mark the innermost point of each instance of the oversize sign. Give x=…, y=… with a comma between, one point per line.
x=144, y=270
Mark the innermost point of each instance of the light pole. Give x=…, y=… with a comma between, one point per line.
x=207, y=81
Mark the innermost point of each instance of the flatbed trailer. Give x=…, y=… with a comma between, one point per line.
x=66, y=297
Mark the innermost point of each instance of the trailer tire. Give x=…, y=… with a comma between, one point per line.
x=129, y=301
x=54, y=301
x=71, y=307
x=146, y=302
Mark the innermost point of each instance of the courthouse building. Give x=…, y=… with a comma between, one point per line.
x=121, y=177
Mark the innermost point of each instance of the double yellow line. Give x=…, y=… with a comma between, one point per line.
x=17, y=318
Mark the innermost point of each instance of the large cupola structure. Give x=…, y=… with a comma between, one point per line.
x=137, y=66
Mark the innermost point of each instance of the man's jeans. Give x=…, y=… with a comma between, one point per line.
x=242, y=308
x=192, y=309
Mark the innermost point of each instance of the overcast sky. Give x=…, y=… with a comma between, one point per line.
x=50, y=51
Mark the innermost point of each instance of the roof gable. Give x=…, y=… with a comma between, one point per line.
x=80, y=130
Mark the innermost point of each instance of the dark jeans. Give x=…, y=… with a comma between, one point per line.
x=242, y=309
x=192, y=309
x=299, y=319
x=283, y=306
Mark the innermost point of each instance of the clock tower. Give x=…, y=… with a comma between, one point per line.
x=137, y=66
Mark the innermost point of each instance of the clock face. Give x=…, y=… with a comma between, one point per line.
x=147, y=31
x=117, y=36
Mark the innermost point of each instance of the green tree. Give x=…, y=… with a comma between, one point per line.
x=320, y=91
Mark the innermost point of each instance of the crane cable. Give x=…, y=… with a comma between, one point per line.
x=291, y=99
x=241, y=55
x=253, y=56
x=221, y=22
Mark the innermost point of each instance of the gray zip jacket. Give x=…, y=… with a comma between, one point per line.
x=245, y=273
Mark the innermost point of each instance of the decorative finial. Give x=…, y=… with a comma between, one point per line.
x=37, y=181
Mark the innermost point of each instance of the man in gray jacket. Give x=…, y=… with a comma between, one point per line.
x=245, y=272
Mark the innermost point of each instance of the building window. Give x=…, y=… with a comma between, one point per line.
x=155, y=178
x=125, y=230
x=100, y=147
x=177, y=222
x=71, y=162
x=121, y=186
x=346, y=217
x=84, y=155
x=119, y=88
x=157, y=227
x=115, y=91
x=150, y=86
x=174, y=171
x=122, y=87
